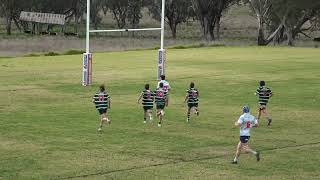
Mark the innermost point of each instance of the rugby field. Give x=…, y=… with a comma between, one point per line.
x=48, y=124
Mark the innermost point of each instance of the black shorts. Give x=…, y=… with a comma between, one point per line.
x=102, y=111
x=262, y=106
x=191, y=105
x=244, y=139
x=146, y=108
x=160, y=106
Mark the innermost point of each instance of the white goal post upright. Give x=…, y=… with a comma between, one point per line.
x=87, y=56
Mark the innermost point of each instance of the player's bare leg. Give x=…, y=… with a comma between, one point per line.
x=145, y=116
x=238, y=151
x=267, y=115
x=196, y=111
x=259, y=112
x=103, y=118
x=249, y=150
x=159, y=115
x=150, y=114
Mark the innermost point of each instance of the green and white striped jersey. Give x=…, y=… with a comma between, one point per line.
x=101, y=100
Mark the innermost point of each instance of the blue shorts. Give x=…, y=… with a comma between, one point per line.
x=244, y=139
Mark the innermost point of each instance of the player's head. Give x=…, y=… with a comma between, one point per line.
x=192, y=85
x=246, y=109
x=102, y=88
x=161, y=85
x=163, y=77
x=147, y=86
x=262, y=83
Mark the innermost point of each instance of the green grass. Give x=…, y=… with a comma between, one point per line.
x=49, y=125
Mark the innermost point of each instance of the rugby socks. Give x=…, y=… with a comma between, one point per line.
x=197, y=112
x=189, y=116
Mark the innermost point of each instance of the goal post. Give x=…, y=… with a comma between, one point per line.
x=87, y=56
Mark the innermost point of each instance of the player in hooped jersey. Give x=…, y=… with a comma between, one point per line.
x=102, y=102
x=264, y=93
x=245, y=123
x=147, y=97
x=161, y=100
x=192, y=98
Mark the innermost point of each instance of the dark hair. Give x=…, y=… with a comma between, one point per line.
x=102, y=88
x=163, y=77
x=147, y=86
x=161, y=85
x=192, y=85
x=262, y=83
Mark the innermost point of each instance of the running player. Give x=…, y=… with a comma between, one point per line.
x=166, y=84
x=264, y=93
x=245, y=123
x=147, y=97
x=103, y=102
x=192, y=97
x=161, y=100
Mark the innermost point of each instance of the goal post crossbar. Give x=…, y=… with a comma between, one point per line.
x=125, y=30
x=87, y=56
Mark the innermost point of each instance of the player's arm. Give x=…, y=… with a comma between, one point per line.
x=257, y=92
x=256, y=123
x=109, y=102
x=140, y=97
x=238, y=123
x=93, y=99
x=186, y=98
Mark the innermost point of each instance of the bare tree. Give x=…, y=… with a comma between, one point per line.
x=209, y=13
x=262, y=10
x=119, y=10
x=176, y=12
x=282, y=18
x=10, y=10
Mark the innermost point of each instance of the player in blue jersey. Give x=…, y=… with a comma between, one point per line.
x=166, y=84
x=245, y=122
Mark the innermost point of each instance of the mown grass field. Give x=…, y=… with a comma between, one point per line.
x=48, y=125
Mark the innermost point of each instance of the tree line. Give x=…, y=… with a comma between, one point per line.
x=278, y=21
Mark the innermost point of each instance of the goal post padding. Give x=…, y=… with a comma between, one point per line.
x=161, y=62
x=87, y=69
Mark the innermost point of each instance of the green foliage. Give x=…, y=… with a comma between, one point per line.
x=51, y=54
x=73, y=52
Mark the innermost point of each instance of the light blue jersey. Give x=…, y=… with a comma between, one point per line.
x=247, y=121
x=166, y=85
